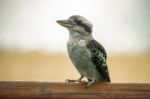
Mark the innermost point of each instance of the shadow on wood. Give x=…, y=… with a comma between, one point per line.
x=49, y=90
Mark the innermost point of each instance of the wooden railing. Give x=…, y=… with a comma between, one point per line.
x=49, y=90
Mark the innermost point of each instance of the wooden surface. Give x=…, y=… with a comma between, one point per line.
x=49, y=90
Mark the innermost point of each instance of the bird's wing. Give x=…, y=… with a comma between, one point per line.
x=98, y=57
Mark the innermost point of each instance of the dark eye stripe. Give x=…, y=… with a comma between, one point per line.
x=78, y=22
x=87, y=28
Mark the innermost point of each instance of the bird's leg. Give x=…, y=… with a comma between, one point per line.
x=78, y=80
x=90, y=83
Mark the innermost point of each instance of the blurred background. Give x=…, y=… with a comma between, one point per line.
x=33, y=45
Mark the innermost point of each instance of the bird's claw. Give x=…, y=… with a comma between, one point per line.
x=68, y=80
x=81, y=81
x=90, y=83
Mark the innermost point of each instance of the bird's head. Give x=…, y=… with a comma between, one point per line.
x=77, y=24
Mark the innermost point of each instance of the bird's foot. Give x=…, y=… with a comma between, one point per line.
x=69, y=80
x=78, y=80
x=90, y=83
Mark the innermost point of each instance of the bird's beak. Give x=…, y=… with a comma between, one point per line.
x=66, y=23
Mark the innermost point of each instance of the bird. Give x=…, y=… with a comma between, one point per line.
x=87, y=55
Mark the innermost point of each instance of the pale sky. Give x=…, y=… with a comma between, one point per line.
x=119, y=25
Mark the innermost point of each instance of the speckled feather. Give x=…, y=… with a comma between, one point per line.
x=98, y=56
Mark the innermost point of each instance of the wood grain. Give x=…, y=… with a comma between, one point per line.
x=55, y=90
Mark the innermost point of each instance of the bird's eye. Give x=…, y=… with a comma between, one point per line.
x=78, y=22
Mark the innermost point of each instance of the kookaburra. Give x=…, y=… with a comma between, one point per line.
x=87, y=55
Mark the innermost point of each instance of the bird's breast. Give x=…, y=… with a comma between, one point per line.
x=78, y=52
x=76, y=48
